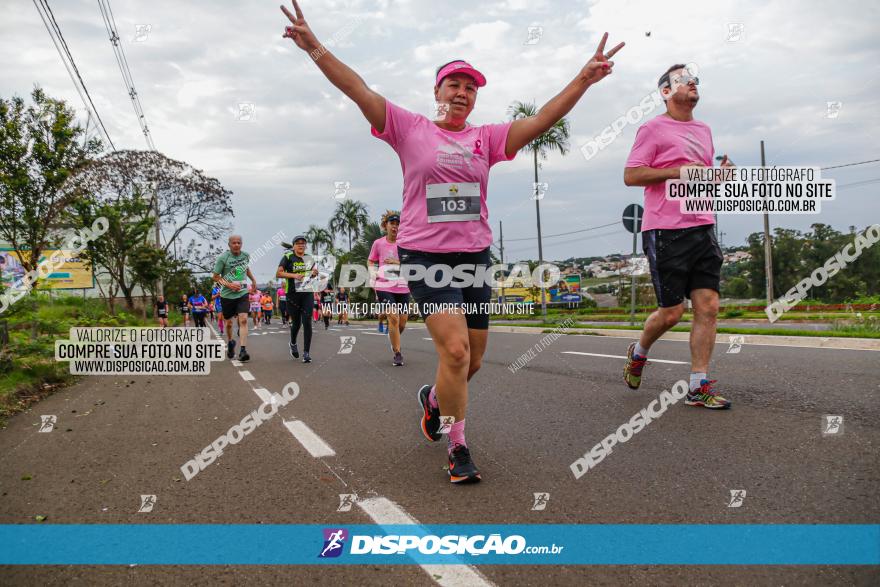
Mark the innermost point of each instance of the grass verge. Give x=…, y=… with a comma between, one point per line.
x=28, y=370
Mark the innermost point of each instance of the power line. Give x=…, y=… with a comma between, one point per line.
x=47, y=16
x=857, y=183
x=122, y=63
x=577, y=240
x=531, y=238
x=850, y=164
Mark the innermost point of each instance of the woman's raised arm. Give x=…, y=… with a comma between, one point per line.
x=340, y=75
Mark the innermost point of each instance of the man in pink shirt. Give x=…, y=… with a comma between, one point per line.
x=682, y=250
x=391, y=290
x=444, y=220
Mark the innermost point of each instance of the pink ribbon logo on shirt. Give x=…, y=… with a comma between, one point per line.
x=477, y=145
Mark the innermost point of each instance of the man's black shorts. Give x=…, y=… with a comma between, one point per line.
x=682, y=260
x=231, y=307
x=427, y=296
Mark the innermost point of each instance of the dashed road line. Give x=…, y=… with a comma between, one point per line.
x=385, y=512
x=310, y=441
x=380, y=509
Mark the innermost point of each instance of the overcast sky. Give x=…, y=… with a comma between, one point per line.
x=767, y=71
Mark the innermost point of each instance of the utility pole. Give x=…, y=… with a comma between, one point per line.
x=632, y=271
x=540, y=246
x=160, y=285
x=768, y=250
x=504, y=278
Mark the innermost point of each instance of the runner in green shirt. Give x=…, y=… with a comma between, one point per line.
x=231, y=271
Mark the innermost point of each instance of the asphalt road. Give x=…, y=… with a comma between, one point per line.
x=117, y=438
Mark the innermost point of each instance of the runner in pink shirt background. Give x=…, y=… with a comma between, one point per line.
x=254, y=303
x=445, y=219
x=391, y=290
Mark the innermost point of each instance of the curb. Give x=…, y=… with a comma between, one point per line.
x=815, y=342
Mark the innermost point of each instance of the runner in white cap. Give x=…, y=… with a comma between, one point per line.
x=444, y=220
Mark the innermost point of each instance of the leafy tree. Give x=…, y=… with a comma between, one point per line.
x=190, y=204
x=130, y=222
x=40, y=147
x=735, y=287
x=796, y=256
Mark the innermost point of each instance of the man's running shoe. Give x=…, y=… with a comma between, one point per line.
x=306, y=357
x=398, y=360
x=461, y=468
x=430, y=423
x=230, y=349
x=243, y=356
x=294, y=352
x=632, y=370
x=706, y=397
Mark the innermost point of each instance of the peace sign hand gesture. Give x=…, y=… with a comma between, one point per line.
x=300, y=32
x=598, y=67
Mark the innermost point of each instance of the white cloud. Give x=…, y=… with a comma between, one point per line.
x=199, y=62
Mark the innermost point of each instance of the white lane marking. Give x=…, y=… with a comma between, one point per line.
x=264, y=395
x=374, y=333
x=385, y=512
x=427, y=338
x=310, y=441
x=246, y=375
x=235, y=363
x=724, y=342
x=622, y=357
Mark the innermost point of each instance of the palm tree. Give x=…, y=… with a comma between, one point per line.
x=320, y=238
x=348, y=219
x=554, y=139
x=372, y=231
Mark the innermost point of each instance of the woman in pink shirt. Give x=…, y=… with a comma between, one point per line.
x=254, y=303
x=391, y=290
x=444, y=221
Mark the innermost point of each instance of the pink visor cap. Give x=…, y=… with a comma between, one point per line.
x=461, y=67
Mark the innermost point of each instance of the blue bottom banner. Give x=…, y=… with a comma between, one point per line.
x=516, y=544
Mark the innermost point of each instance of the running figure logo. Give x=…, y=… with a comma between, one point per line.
x=47, y=423
x=346, y=344
x=147, y=503
x=346, y=500
x=247, y=111
x=340, y=189
x=141, y=32
x=737, y=496
x=446, y=423
x=833, y=109
x=735, y=31
x=334, y=541
x=439, y=111
x=535, y=33
x=832, y=425
x=736, y=342
x=540, y=502
x=539, y=189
